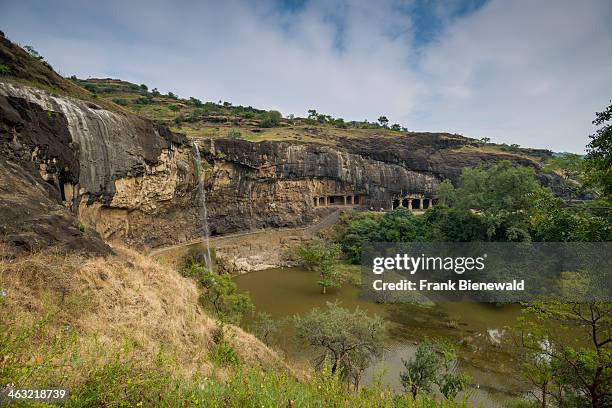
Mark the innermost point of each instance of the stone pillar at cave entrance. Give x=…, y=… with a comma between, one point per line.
x=421, y=204
x=410, y=204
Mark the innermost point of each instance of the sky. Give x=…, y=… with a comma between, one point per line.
x=522, y=71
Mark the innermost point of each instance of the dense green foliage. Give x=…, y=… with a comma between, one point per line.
x=599, y=156
x=500, y=203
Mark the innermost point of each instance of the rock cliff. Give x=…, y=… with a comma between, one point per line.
x=135, y=181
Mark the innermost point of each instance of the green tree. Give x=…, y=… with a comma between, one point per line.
x=30, y=50
x=599, y=154
x=264, y=327
x=446, y=194
x=503, y=195
x=321, y=257
x=271, y=119
x=571, y=341
x=455, y=225
x=220, y=294
x=195, y=101
x=553, y=221
x=433, y=364
x=383, y=121
x=570, y=167
x=361, y=229
x=341, y=336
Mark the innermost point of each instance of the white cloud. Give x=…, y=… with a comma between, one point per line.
x=524, y=72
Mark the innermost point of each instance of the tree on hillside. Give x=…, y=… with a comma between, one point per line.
x=264, y=327
x=195, y=101
x=570, y=167
x=599, y=153
x=383, y=121
x=346, y=339
x=220, y=294
x=30, y=50
x=271, y=119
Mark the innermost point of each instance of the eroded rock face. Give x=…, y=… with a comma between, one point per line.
x=101, y=165
x=135, y=181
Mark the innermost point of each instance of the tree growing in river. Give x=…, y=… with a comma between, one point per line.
x=348, y=340
x=321, y=257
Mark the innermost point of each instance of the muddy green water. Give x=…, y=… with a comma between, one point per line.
x=473, y=328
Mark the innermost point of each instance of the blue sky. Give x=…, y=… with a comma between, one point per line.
x=521, y=71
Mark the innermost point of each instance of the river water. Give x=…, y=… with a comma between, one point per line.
x=475, y=329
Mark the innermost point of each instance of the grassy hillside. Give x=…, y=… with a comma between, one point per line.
x=196, y=118
x=126, y=331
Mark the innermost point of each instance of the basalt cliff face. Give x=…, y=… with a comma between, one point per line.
x=132, y=180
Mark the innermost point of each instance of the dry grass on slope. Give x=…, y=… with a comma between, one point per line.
x=124, y=303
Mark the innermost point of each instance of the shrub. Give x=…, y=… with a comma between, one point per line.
x=121, y=101
x=270, y=119
x=174, y=108
x=234, y=134
x=90, y=87
x=224, y=354
x=143, y=100
x=220, y=294
x=4, y=69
